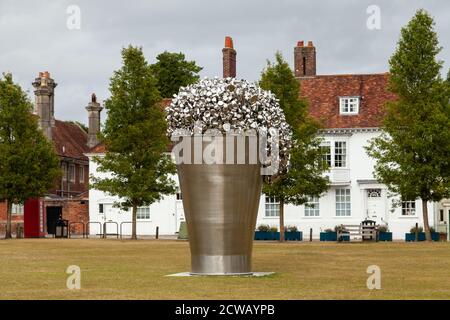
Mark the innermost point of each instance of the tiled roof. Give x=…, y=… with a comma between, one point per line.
x=69, y=140
x=323, y=92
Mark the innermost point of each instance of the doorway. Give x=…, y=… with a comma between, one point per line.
x=374, y=205
x=52, y=215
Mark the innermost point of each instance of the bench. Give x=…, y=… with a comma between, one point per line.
x=359, y=232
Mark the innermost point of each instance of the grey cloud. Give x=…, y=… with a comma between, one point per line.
x=34, y=37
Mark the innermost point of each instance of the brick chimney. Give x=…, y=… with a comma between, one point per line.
x=44, y=94
x=305, y=59
x=94, y=108
x=229, y=59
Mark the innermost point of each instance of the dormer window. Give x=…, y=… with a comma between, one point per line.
x=349, y=105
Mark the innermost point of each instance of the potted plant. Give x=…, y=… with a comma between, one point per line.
x=384, y=234
x=328, y=235
x=411, y=236
x=341, y=229
x=266, y=232
x=292, y=234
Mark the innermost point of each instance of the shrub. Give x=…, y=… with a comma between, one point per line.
x=413, y=229
x=328, y=230
x=273, y=229
x=264, y=228
x=432, y=230
x=291, y=228
x=383, y=228
x=340, y=228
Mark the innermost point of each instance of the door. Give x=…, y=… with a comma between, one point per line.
x=52, y=214
x=374, y=205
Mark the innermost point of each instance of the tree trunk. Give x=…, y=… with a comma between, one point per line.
x=281, y=220
x=426, y=225
x=8, y=234
x=134, y=222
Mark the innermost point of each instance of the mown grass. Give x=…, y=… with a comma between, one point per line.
x=114, y=269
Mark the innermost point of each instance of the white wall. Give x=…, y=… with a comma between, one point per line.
x=357, y=176
x=361, y=168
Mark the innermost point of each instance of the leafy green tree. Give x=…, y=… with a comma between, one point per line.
x=304, y=178
x=136, y=161
x=413, y=153
x=172, y=71
x=29, y=165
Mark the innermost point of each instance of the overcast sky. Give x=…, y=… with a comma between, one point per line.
x=34, y=37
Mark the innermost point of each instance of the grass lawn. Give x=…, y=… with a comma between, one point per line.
x=114, y=269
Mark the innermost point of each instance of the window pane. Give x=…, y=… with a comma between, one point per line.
x=343, y=202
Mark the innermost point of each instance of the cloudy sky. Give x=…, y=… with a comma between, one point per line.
x=34, y=37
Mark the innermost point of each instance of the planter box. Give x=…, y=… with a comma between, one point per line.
x=328, y=236
x=332, y=236
x=275, y=236
x=293, y=236
x=385, y=236
x=421, y=236
x=262, y=235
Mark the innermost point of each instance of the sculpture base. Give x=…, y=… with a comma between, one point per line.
x=251, y=274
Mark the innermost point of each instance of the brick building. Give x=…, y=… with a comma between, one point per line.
x=69, y=198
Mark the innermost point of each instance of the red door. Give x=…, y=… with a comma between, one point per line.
x=33, y=218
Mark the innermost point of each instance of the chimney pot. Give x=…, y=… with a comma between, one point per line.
x=310, y=44
x=228, y=42
x=300, y=44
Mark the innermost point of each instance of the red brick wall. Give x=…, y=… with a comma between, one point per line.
x=16, y=219
x=74, y=211
x=229, y=59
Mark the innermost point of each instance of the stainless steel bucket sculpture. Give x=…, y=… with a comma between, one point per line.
x=221, y=205
x=221, y=200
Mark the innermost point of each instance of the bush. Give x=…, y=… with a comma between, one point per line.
x=273, y=229
x=383, y=228
x=264, y=228
x=413, y=229
x=340, y=228
x=432, y=230
x=328, y=230
x=291, y=228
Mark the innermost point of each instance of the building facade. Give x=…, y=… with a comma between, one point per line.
x=350, y=109
x=69, y=197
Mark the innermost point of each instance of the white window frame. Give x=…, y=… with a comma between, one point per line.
x=409, y=208
x=349, y=105
x=312, y=207
x=81, y=174
x=328, y=156
x=17, y=209
x=343, y=155
x=343, y=202
x=272, y=207
x=140, y=215
x=72, y=172
x=65, y=171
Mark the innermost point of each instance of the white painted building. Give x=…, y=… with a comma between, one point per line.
x=350, y=108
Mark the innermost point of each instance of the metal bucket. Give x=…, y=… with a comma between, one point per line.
x=221, y=205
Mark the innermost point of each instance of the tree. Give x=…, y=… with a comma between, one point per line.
x=304, y=177
x=413, y=152
x=29, y=165
x=135, y=138
x=172, y=71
